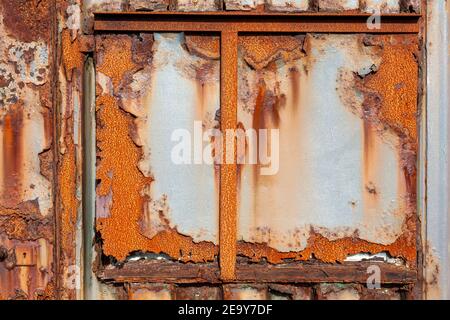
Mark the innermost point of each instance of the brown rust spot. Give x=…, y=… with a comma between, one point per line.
x=27, y=20
x=71, y=55
x=259, y=50
x=331, y=251
x=115, y=57
x=205, y=46
x=396, y=81
x=118, y=171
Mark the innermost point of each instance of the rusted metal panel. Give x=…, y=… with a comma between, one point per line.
x=338, y=5
x=364, y=119
x=151, y=75
x=228, y=171
x=149, y=5
x=26, y=141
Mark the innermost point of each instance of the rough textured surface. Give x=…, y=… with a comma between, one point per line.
x=275, y=90
x=150, y=292
x=44, y=46
x=243, y=292
x=288, y=5
x=197, y=5
x=242, y=4
x=149, y=5
x=338, y=5
x=148, y=231
x=26, y=140
x=381, y=6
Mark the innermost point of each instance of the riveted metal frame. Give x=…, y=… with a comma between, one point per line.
x=230, y=25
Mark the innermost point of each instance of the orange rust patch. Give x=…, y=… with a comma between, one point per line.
x=27, y=20
x=71, y=55
x=204, y=46
x=259, y=51
x=118, y=171
x=396, y=82
x=25, y=222
x=69, y=202
x=330, y=251
x=115, y=59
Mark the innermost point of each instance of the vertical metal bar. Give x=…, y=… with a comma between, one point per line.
x=228, y=171
x=89, y=149
x=437, y=216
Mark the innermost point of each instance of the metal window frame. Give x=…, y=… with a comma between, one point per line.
x=230, y=25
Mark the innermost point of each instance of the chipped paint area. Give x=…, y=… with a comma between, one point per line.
x=288, y=5
x=186, y=88
x=24, y=130
x=88, y=7
x=145, y=202
x=150, y=292
x=347, y=164
x=240, y=292
x=197, y=5
x=382, y=6
x=341, y=5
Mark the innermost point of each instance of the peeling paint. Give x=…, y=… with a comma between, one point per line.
x=378, y=213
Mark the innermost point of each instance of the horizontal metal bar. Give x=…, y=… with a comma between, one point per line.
x=253, y=22
x=172, y=272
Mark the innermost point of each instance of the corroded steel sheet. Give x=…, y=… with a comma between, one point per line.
x=345, y=107
x=149, y=86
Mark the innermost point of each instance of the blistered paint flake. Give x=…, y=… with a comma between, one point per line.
x=346, y=163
